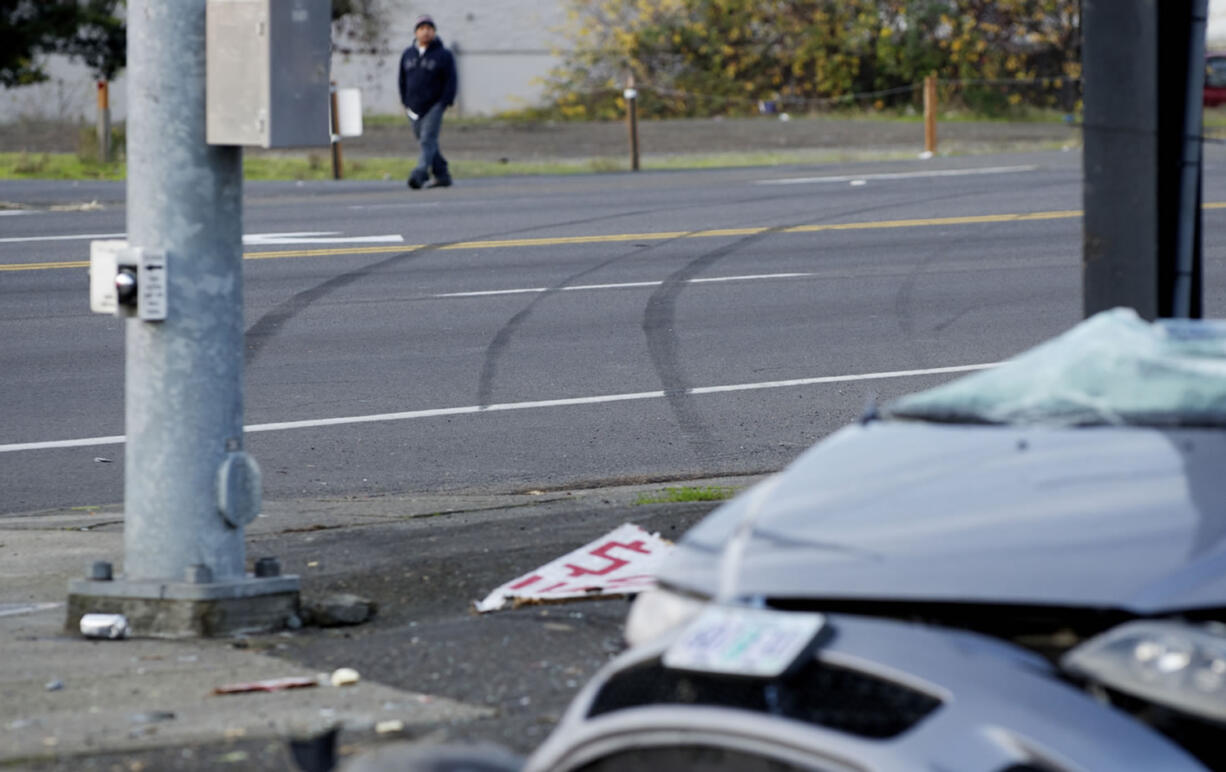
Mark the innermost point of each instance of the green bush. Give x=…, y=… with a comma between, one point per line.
x=722, y=57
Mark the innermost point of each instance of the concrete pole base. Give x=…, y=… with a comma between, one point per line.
x=159, y=609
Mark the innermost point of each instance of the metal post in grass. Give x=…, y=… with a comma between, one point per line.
x=632, y=121
x=338, y=161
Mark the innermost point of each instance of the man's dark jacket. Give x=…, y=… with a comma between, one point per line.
x=427, y=78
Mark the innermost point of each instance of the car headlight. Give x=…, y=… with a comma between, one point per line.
x=1173, y=664
x=655, y=612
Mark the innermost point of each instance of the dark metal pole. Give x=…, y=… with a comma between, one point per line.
x=338, y=161
x=1142, y=69
x=1120, y=68
x=1185, y=290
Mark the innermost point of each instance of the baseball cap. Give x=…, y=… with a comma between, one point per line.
x=424, y=19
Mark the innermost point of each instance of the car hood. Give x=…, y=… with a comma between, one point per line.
x=1109, y=517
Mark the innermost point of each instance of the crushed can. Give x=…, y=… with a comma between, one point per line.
x=111, y=626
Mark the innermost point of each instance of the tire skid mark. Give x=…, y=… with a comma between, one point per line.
x=663, y=345
x=904, y=298
x=271, y=323
x=268, y=326
x=502, y=339
x=659, y=320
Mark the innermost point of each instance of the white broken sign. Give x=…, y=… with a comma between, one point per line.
x=623, y=562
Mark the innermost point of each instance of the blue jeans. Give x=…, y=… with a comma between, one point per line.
x=426, y=130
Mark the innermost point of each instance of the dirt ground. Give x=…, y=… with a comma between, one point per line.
x=516, y=141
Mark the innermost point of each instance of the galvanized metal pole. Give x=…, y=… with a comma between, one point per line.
x=184, y=375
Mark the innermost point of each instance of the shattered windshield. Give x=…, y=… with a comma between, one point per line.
x=1112, y=369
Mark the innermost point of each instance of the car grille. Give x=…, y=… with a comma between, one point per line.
x=825, y=695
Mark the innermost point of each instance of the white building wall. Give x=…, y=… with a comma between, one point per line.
x=504, y=49
x=1215, y=36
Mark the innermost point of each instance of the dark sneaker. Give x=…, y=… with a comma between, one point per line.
x=415, y=181
x=439, y=182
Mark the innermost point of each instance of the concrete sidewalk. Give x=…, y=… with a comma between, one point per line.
x=67, y=702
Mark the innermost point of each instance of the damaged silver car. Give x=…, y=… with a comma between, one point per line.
x=1021, y=570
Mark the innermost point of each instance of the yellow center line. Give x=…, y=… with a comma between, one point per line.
x=44, y=266
x=332, y=252
x=553, y=241
x=936, y=221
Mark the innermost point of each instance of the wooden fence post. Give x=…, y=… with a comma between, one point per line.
x=930, y=114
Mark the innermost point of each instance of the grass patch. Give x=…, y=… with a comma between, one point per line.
x=688, y=494
x=57, y=166
x=318, y=165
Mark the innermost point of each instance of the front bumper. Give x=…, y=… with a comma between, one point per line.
x=948, y=699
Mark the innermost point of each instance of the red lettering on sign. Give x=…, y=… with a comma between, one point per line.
x=526, y=582
x=614, y=562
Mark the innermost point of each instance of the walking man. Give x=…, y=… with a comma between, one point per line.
x=427, y=88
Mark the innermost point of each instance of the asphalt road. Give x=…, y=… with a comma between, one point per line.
x=541, y=333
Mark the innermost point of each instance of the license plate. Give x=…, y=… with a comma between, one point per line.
x=754, y=642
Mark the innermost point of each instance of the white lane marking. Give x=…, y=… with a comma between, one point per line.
x=420, y=205
x=502, y=407
x=317, y=237
x=16, y=212
x=86, y=442
x=619, y=285
x=77, y=237
x=898, y=175
x=264, y=239
x=16, y=609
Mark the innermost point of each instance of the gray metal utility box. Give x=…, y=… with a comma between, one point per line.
x=268, y=72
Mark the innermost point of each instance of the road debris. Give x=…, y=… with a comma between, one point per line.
x=623, y=562
x=338, y=610
x=392, y=726
x=268, y=685
x=110, y=626
x=54, y=686
x=345, y=676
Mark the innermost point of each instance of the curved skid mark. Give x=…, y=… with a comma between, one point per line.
x=496, y=348
x=659, y=322
x=270, y=324
x=904, y=298
x=502, y=339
